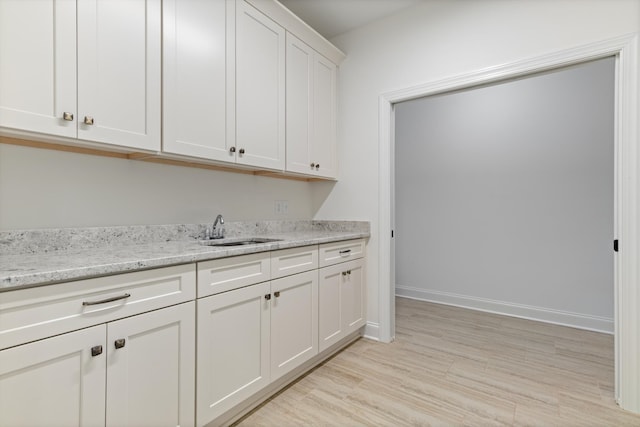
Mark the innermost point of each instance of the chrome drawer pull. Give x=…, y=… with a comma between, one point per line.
x=346, y=251
x=104, y=301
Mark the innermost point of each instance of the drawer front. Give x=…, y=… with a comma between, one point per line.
x=334, y=253
x=286, y=262
x=31, y=314
x=225, y=274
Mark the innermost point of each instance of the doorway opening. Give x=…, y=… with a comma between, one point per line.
x=504, y=197
x=624, y=50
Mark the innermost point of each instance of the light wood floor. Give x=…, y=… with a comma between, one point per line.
x=451, y=366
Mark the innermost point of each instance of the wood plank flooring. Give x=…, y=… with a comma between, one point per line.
x=452, y=366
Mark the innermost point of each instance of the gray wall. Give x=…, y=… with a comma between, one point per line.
x=504, y=193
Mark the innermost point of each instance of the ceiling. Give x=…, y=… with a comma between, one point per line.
x=333, y=17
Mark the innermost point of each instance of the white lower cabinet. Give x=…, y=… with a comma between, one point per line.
x=150, y=368
x=120, y=351
x=55, y=382
x=341, y=303
x=251, y=336
x=143, y=365
x=233, y=349
x=125, y=350
x=294, y=321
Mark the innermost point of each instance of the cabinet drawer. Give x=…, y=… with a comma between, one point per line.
x=334, y=253
x=286, y=262
x=31, y=314
x=225, y=274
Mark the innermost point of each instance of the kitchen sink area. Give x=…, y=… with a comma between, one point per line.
x=238, y=241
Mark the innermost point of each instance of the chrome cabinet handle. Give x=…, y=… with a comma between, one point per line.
x=106, y=300
x=119, y=343
x=67, y=116
x=96, y=351
x=232, y=149
x=88, y=120
x=346, y=251
x=241, y=151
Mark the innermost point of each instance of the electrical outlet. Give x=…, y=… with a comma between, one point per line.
x=281, y=207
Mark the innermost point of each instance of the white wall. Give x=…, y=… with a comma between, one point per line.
x=42, y=188
x=430, y=42
x=505, y=192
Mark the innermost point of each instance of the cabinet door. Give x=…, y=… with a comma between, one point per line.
x=119, y=72
x=311, y=111
x=294, y=321
x=198, y=60
x=54, y=382
x=330, y=323
x=323, y=149
x=151, y=368
x=340, y=301
x=260, y=89
x=233, y=349
x=38, y=65
x=299, y=125
x=352, y=294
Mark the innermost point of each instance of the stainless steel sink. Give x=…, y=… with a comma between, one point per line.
x=238, y=242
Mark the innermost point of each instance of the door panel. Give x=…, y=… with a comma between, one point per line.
x=55, y=381
x=260, y=89
x=119, y=72
x=151, y=371
x=38, y=74
x=233, y=349
x=294, y=321
x=195, y=39
x=299, y=105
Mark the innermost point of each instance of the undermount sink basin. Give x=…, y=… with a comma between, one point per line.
x=238, y=242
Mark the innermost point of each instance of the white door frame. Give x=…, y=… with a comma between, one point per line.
x=626, y=193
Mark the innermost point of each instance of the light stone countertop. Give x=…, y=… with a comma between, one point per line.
x=26, y=266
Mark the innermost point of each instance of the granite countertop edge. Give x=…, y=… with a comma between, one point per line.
x=30, y=270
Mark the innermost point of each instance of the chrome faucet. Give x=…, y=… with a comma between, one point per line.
x=217, y=233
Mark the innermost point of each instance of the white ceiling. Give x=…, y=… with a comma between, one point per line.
x=333, y=17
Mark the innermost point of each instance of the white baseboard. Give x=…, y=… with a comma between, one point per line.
x=565, y=318
x=372, y=331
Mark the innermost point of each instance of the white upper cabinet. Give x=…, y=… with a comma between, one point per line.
x=38, y=66
x=299, y=105
x=324, y=147
x=119, y=82
x=242, y=82
x=115, y=96
x=260, y=89
x=311, y=111
x=198, y=76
